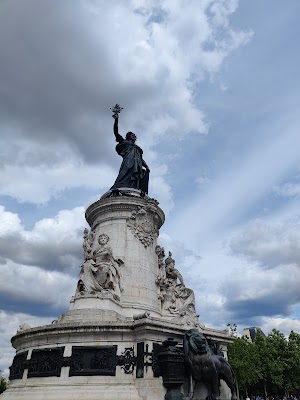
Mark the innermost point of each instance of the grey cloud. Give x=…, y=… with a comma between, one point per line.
x=266, y=306
x=52, y=255
x=61, y=71
x=53, y=244
x=9, y=323
x=54, y=74
x=64, y=63
x=269, y=245
x=261, y=293
x=11, y=303
x=288, y=189
x=34, y=290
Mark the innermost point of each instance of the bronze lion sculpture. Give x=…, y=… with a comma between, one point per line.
x=206, y=367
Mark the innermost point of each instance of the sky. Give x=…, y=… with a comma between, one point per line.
x=212, y=90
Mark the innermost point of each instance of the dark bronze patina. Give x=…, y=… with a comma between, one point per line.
x=171, y=360
x=134, y=172
x=206, y=367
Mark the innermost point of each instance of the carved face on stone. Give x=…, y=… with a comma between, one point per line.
x=103, y=238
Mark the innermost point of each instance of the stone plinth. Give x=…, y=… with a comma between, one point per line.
x=127, y=303
x=135, y=375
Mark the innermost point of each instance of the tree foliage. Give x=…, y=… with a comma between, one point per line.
x=2, y=383
x=270, y=364
x=242, y=359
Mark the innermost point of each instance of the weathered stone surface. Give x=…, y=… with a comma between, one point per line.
x=125, y=312
x=132, y=224
x=177, y=300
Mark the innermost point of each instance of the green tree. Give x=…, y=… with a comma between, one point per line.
x=243, y=360
x=2, y=383
x=271, y=364
x=278, y=348
x=292, y=372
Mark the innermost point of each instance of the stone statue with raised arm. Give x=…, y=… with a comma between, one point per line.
x=134, y=172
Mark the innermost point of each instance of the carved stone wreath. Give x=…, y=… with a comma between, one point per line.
x=143, y=224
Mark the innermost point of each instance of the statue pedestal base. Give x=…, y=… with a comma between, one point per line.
x=106, y=346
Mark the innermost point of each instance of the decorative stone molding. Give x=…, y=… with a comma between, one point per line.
x=119, y=207
x=127, y=192
x=144, y=223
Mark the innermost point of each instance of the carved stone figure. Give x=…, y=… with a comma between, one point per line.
x=23, y=327
x=106, y=267
x=176, y=298
x=160, y=252
x=143, y=224
x=86, y=282
x=171, y=271
x=100, y=270
x=206, y=367
x=88, y=240
x=134, y=171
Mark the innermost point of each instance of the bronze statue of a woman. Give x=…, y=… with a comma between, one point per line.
x=134, y=172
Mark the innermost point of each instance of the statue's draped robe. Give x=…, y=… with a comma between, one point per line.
x=100, y=273
x=87, y=277
x=106, y=270
x=131, y=172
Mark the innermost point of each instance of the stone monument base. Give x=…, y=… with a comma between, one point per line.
x=92, y=355
x=129, y=299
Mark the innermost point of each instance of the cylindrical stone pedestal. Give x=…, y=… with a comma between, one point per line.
x=132, y=225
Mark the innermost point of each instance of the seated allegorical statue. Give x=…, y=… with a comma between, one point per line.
x=106, y=267
x=176, y=297
x=100, y=270
x=171, y=271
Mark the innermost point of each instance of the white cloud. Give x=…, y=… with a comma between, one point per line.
x=202, y=181
x=268, y=244
x=254, y=283
x=10, y=222
x=9, y=324
x=161, y=189
x=250, y=176
x=55, y=101
x=288, y=189
x=34, y=285
x=284, y=325
x=252, y=293
x=53, y=243
x=36, y=173
x=65, y=65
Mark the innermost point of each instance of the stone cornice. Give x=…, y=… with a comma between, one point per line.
x=120, y=204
